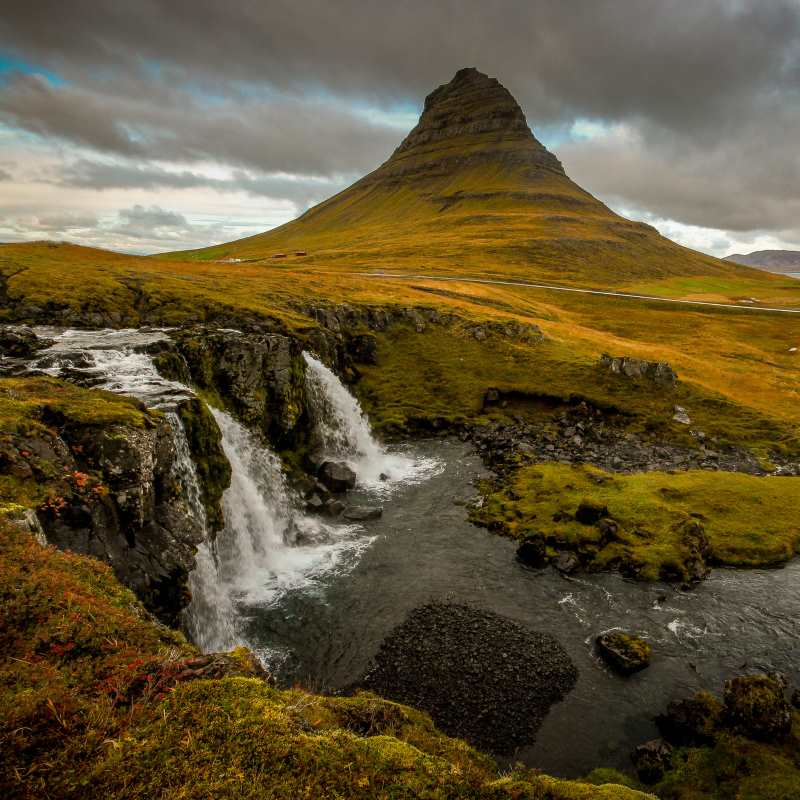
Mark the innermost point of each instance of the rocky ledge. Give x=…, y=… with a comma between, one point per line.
x=480, y=676
x=581, y=433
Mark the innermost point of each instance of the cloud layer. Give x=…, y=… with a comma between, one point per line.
x=693, y=107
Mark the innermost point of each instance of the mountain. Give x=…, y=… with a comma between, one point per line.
x=471, y=190
x=771, y=260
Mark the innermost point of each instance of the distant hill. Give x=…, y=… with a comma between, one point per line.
x=471, y=190
x=781, y=261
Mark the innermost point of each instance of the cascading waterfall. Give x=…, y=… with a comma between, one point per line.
x=344, y=433
x=210, y=617
x=268, y=546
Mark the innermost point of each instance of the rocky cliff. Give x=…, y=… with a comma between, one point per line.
x=101, y=476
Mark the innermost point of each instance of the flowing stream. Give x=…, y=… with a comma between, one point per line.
x=315, y=598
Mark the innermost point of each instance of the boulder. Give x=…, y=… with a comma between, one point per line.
x=19, y=341
x=624, y=652
x=566, y=563
x=589, y=512
x=679, y=415
x=337, y=476
x=755, y=707
x=657, y=372
x=652, y=760
x=532, y=552
x=692, y=722
x=362, y=513
x=334, y=507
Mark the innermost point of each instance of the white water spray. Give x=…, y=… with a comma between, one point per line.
x=269, y=546
x=344, y=434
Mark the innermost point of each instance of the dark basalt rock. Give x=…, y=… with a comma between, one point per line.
x=337, y=477
x=113, y=493
x=624, y=652
x=480, y=676
x=652, y=760
x=19, y=341
x=691, y=722
x=259, y=375
x=532, y=552
x=589, y=512
x=566, y=563
x=363, y=348
x=755, y=707
x=362, y=513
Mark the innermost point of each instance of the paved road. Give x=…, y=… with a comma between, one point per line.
x=625, y=295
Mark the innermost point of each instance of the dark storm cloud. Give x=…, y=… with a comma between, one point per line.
x=667, y=59
x=710, y=86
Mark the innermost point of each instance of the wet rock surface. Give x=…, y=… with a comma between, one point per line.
x=626, y=653
x=260, y=376
x=652, y=760
x=479, y=675
x=113, y=493
x=336, y=476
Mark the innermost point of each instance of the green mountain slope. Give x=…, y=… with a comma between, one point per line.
x=470, y=190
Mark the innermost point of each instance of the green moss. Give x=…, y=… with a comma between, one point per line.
x=30, y=405
x=745, y=521
x=734, y=767
x=205, y=444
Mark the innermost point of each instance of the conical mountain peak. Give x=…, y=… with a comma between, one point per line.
x=473, y=117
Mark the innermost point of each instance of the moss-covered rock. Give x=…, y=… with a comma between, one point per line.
x=625, y=652
x=259, y=377
x=756, y=707
x=98, y=470
x=692, y=722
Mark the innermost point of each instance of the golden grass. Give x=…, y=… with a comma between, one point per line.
x=749, y=521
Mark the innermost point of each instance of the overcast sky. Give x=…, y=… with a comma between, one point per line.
x=154, y=125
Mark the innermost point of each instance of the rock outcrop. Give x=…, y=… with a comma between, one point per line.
x=114, y=493
x=260, y=377
x=658, y=373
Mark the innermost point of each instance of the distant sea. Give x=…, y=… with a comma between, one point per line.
x=793, y=274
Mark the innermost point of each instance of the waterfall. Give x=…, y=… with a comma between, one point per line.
x=210, y=617
x=344, y=434
x=269, y=546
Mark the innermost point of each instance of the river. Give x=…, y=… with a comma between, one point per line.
x=314, y=598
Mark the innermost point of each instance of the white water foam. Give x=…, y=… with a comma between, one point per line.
x=108, y=359
x=344, y=434
x=269, y=546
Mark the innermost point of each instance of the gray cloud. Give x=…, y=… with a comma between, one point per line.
x=5, y=175
x=710, y=87
x=146, y=119
x=302, y=191
x=672, y=61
